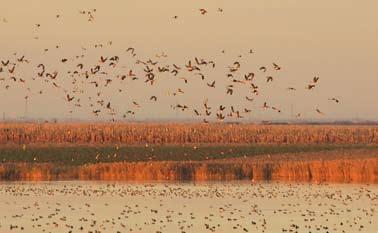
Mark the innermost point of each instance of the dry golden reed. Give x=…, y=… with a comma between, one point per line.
x=138, y=133
x=342, y=167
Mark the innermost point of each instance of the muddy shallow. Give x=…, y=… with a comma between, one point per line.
x=186, y=207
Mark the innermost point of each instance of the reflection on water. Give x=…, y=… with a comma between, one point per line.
x=216, y=207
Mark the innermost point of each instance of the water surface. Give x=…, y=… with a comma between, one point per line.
x=186, y=207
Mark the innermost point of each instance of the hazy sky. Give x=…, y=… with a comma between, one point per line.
x=335, y=40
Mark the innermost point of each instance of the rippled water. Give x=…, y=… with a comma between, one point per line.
x=215, y=207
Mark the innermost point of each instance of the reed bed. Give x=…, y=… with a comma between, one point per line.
x=357, y=166
x=142, y=133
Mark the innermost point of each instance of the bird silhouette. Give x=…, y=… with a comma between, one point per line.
x=269, y=79
x=211, y=84
x=335, y=100
x=5, y=63
x=249, y=99
x=203, y=11
x=69, y=98
x=276, y=67
x=320, y=112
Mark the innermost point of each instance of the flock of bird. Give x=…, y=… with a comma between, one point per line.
x=83, y=83
x=237, y=207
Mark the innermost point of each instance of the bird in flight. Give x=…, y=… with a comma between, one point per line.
x=262, y=68
x=269, y=79
x=5, y=63
x=203, y=11
x=211, y=84
x=196, y=112
x=109, y=66
x=11, y=70
x=229, y=90
x=320, y=112
x=185, y=80
x=334, y=99
x=131, y=50
x=249, y=99
x=102, y=59
x=69, y=98
x=136, y=104
x=276, y=67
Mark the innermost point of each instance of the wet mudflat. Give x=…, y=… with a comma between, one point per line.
x=187, y=207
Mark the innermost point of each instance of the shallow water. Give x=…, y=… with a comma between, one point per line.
x=187, y=207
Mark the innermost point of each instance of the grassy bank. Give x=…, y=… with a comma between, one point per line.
x=80, y=155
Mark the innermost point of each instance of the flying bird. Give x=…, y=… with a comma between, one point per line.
x=249, y=99
x=334, y=99
x=211, y=84
x=269, y=79
x=203, y=11
x=69, y=98
x=11, y=70
x=5, y=63
x=102, y=59
x=136, y=104
x=320, y=112
x=276, y=67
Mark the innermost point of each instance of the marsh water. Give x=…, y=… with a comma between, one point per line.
x=187, y=207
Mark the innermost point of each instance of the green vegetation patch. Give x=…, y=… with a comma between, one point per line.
x=79, y=155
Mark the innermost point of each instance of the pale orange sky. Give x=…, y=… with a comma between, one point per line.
x=335, y=40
